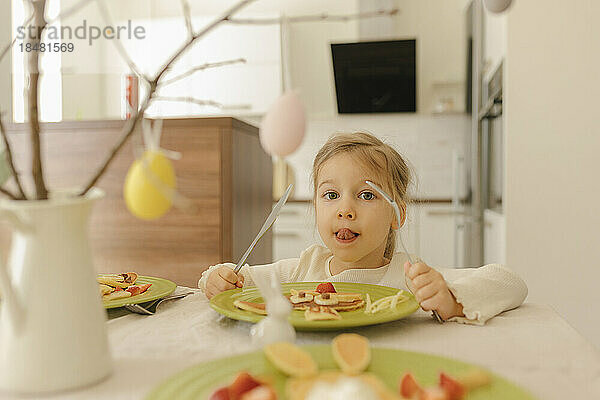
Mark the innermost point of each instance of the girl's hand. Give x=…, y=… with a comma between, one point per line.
x=221, y=279
x=431, y=290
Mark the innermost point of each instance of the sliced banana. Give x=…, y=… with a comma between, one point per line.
x=298, y=297
x=321, y=314
x=105, y=289
x=326, y=299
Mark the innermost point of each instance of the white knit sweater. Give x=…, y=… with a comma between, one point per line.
x=483, y=292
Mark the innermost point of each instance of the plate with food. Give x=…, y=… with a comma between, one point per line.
x=130, y=288
x=322, y=305
x=347, y=369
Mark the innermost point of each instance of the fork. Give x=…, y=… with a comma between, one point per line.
x=151, y=308
x=391, y=202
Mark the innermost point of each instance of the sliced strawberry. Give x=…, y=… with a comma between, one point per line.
x=262, y=392
x=138, y=289
x=220, y=394
x=453, y=388
x=243, y=383
x=409, y=387
x=326, y=287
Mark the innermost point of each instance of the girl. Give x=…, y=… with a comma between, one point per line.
x=358, y=227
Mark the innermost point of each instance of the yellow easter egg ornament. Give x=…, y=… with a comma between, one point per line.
x=146, y=196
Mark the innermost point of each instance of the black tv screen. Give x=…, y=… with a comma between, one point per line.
x=375, y=77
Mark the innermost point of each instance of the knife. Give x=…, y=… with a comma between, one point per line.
x=269, y=221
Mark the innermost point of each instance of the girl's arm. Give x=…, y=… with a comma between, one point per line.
x=484, y=292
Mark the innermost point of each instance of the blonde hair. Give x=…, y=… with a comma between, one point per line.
x=377, y=156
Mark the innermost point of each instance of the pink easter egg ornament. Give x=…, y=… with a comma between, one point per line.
x=282, y=128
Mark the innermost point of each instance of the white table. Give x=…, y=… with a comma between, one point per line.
x=532, y=346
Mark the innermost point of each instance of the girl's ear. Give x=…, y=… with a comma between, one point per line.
x=402, y=206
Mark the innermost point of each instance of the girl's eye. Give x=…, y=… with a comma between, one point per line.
x=331, y=195
x=366, y=196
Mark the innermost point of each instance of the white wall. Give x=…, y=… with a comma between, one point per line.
x=440, y=29
x=426, y=142
x=552, y=145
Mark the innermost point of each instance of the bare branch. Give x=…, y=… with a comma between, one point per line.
x=189, y=100
x=69, y=11
x=10, y=159
x=11, y=44
x=311, y=18
x=200, y=68
x=122, y=52
x=41, y=193
x=226, y=17
x=131, y=123
x=7, y=193
x=188, y=17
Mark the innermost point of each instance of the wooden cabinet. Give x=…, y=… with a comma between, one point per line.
x=224, y=171
x=441, y=235
x=294, y=230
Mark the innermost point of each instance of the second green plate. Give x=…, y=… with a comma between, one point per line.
x=199, y=381
x=160, y=288
x=223, y=303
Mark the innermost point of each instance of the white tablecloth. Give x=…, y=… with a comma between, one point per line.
x=532, y=346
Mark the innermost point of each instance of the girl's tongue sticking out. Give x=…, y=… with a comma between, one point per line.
x=345, y=235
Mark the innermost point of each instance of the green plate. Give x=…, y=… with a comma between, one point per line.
x=223, y=303
x=200, y=381
x=160, y=288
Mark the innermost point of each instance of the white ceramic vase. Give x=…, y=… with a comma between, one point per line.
x=52, y=323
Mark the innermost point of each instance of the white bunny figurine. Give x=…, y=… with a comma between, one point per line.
x=275, y=327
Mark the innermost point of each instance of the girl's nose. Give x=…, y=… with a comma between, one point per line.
x=346, y=214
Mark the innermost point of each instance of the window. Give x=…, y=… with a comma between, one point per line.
x=50, y=83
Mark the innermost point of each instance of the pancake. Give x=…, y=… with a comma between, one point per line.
x=117, y=294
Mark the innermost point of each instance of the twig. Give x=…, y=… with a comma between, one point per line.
x=41, y=193
x=188, y=17
x=317, y=17
x=9, y=194
x=200, y=68
x=189, y=100
x=122, y=52
x=11, y=44
x=130, y=125
x=10, y=159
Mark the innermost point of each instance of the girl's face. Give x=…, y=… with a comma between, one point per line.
x=353, y=220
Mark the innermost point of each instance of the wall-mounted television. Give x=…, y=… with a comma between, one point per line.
x=375, y=77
